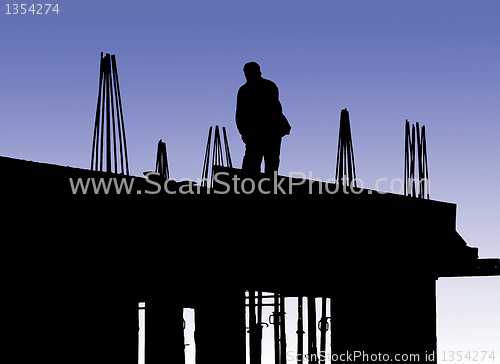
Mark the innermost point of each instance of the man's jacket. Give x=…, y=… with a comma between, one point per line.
x=258, y=111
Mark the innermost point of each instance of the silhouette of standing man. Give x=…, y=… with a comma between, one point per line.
x=260, y=121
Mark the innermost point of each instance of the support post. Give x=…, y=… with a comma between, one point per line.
x=323, y=327
x=164, y=340
x=282, y=330
x=311, y=331
x=300, y=331
x=276, y=329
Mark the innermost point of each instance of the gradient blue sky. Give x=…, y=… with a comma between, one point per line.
x=180, y=66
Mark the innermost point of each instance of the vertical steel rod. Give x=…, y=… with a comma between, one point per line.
x=332, y=341
x=226, y=145
x=407, y=164
x=214, y=155
x=282, y=330
x=118, y=118
x=259, y=327
x=252, y=326
x=311, y=331
x=300, y=331
x=419, y=156
x=425, y=161
x=95, y=141
x=276, y=330
x=103, y=62
x=204, y=173
x=412, y=169
x=111, y=89
x=115, y=73
x=323, y=329
x=108, y=121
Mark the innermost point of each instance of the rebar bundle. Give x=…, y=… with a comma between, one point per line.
x=106, y=118
x=217, y=156
x=161, y=160
x=423, y=172
x=345, y=151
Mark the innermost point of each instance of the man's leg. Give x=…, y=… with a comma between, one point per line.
x=272, y=155
x=252, y=158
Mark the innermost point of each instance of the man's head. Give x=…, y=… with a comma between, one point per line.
x=251, y=70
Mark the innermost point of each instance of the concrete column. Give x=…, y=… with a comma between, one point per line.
x=164, y=339
x=220, y=329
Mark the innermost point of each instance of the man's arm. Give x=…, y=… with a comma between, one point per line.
x=281, y=125
x=277, y=109
x=241, y=116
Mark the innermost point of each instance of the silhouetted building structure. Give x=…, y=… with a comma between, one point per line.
x=78, y=264
x=260, y=121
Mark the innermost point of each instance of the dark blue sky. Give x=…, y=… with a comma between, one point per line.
x=180, y=66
